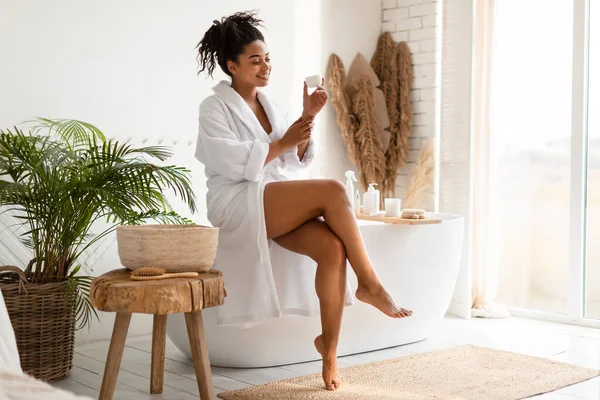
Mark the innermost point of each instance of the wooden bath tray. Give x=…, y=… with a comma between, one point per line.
x=398, y=220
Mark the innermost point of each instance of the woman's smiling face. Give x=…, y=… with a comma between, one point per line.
x=253, y=66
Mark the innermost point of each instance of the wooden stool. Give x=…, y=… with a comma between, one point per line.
x=116, y=292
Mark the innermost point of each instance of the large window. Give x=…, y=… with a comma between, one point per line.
x=531, y=136
x=539, y=147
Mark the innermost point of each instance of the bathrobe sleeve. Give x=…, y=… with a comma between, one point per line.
x=292, y=162
x=220, y=150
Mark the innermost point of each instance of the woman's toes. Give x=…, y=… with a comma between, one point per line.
x=403, y=313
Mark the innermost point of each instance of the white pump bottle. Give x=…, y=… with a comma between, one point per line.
x=371, y=200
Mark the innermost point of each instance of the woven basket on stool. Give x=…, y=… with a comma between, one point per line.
x=43, y=318
x=171, y=247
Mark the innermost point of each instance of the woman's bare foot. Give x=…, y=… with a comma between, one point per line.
x=380, y=299
x=330, y=371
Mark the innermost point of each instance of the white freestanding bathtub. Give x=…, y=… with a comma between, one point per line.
x=418, y=265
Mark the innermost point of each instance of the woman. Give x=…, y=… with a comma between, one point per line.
x=269, y=223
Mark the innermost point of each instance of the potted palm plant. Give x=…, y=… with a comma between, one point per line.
x=57, y=180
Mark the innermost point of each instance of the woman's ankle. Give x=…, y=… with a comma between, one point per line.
x=370, y=285
x=327, y=348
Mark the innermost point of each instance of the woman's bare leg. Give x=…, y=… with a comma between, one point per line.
x=289, y=204
x=316, y=240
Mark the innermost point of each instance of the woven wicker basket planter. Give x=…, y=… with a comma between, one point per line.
x=172, y=247
x=43, y=318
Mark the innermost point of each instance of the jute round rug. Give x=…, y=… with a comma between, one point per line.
x=459, y=373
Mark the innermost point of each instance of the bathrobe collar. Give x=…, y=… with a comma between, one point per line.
x=240, y=108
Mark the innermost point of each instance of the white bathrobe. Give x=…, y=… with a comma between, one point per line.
x=263, y=280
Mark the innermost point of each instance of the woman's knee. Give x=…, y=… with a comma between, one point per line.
x=331, y=251
x=335, y=192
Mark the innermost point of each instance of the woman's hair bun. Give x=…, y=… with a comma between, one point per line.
x=225, y=40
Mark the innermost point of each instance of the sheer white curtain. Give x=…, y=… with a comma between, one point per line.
x=484, y=246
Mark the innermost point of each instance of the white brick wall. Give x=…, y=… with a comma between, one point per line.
x=415, y=22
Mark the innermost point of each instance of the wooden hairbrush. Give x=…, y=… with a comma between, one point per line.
x=153, y=273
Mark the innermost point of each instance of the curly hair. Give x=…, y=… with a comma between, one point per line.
x=225, y=40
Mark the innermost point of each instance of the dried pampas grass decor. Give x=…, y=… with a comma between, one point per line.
x=370, y=157
x=341, y=103
x=421, y=187
x=397, y=152
x=355, y=98
x=385, y=65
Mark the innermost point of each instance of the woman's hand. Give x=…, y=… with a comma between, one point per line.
x=314, y=102
x=297, y=133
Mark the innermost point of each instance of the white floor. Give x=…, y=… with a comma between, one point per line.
x=566, y=343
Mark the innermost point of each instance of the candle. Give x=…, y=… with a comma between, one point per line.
x=393, y=207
